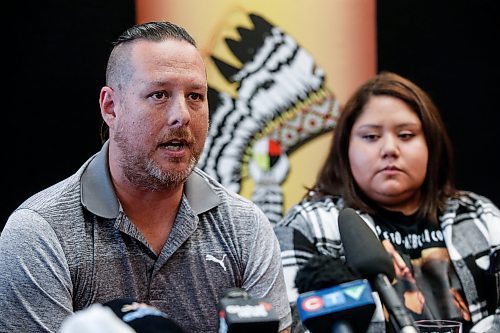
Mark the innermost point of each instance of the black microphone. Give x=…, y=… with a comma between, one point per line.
x=142, y=317
x=123, y=315
x=365, y=253
x=333, y=297
x=240, y=313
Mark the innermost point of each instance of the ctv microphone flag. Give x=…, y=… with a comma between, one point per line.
x=351, y=302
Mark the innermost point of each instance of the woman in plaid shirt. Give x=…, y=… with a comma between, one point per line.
x=391, y=160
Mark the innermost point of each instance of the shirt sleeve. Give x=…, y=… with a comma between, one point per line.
x=263, y=277
x=492, y=222
x=35, y=283
x=296, y=245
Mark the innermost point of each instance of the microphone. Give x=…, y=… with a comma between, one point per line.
x=122, y=315
x=142, y=317
x=332, y=297
x=239, y=313
x=365, y=253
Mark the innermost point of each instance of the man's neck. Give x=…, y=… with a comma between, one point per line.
x=152, y=212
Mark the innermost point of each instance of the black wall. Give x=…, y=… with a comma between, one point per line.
x=450, y=49
x=59, y=52
x=56, y=67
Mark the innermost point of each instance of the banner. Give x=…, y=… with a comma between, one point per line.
x=278, y=74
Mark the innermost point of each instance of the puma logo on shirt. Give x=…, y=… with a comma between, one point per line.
x=210, y=257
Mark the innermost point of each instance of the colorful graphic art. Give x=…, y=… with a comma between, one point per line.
x=281, y=103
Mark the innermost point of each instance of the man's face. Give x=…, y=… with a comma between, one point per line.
x=161, y=113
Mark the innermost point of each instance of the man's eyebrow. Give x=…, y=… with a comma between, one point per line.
x=199, y=86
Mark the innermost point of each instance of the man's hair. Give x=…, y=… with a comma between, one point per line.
x=335, y=177
x=152, y=31
x=155, y=31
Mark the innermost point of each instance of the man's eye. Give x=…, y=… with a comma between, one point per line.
x=159, y=95
x=195, y=96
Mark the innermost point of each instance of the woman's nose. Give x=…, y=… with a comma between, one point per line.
x=390, y=146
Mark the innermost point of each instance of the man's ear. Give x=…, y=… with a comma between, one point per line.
x=107, y=104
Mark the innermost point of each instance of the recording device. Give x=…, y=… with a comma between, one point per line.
x=239, y=313
x=333, y=297
x=365, y=253
x=122, y=315
x=142, y=317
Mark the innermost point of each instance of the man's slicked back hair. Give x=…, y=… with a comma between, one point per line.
x=152, y=31
x=155, y=31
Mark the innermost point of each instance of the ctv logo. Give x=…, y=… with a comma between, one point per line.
x=316, y=303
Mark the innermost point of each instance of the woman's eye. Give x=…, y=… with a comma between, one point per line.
x=406, y=136
x=370, y=137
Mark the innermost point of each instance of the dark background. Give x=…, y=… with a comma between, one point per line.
x=59, y=52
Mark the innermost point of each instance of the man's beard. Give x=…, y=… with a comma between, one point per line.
x=145, y=173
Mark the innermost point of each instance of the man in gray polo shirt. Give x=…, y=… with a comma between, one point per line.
x=138, y=219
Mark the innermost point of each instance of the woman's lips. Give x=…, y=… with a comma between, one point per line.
x=390, y=170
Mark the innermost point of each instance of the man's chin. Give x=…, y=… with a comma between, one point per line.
x=173, y=171
x=177, y=175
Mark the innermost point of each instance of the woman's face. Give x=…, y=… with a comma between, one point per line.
x=388, y=154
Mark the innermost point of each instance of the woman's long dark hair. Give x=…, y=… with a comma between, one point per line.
x=335, y=177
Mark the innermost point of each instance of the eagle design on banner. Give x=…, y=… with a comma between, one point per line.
x=281, y=103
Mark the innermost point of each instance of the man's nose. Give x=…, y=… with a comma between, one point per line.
x=178, y=113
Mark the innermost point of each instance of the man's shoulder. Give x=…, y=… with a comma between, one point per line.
x=225, y=194
x=53, y=196
x=57, y=204
x=50, y=216
x=235, y=208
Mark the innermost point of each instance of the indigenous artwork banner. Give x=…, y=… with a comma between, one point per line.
x=278, y=74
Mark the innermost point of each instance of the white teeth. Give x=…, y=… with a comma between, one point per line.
x=174, y=145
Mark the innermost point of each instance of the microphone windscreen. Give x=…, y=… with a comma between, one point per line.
x=323, y=271
x=362, y=248
x=143, y=318
x=95, y=319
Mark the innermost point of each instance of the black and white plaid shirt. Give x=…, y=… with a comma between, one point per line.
x=471, y=229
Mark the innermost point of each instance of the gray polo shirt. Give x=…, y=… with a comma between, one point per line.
x=71, y=245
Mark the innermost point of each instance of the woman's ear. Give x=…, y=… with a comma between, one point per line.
x=107, y=105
